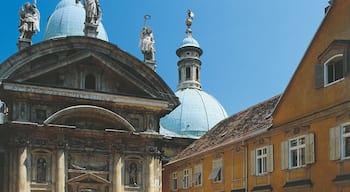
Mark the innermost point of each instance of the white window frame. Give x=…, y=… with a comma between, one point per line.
x=217, y=171
x=344, y=136
x=263, y=163
x=327, y=64
x=301, y=147
x=185, y=178
x=174, y=181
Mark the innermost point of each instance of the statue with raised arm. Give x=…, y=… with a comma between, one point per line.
x=29, y=20
x=93, y=12
x=147, y=42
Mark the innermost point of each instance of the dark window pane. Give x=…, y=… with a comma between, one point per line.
x=347, y=146
x=338, y=70
x=330, y=72
x=90, y=82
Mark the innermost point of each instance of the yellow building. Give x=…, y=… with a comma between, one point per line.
x=299, y=141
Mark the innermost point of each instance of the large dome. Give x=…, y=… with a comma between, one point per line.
x=68, y=20
x=197, y=113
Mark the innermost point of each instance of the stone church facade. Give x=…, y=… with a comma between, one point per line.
x=81, y=115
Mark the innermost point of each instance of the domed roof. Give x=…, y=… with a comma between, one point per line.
x=68, y=20
x=189, y=41
x=197, y=113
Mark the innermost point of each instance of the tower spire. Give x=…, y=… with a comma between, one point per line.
x=189, y=63
x=147, y=44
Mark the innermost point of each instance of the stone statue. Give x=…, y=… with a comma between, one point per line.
x=41, y=170
x=93, y=12
x=147, y=44
x=133, y=173
x=29, y=20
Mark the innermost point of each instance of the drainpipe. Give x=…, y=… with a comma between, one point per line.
x=245, y=165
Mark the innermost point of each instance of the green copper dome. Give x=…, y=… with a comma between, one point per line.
x=197, y=113
x=68, y=20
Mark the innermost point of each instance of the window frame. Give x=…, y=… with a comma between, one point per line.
x=174, y=181
x=330, y=62
x=299, y=148
x=198, y=175
x=264, y=161
x=344, y=136
x=185, y=178
x=217, y=171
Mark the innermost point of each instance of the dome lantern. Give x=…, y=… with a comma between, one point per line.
x=189, y=63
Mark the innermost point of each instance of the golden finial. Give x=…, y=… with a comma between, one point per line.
x=189, y=19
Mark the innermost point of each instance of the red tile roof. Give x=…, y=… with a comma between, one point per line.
x=233, y=128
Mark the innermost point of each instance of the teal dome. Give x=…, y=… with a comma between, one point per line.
x=197, y=113
x=68, y=20
x=189, y=41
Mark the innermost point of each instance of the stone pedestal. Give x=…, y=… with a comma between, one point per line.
x=90, y=30
x=151, y=64
x=23, y=43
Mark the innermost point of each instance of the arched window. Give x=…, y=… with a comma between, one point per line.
x=90, y=82
x=334, y=69
x=197, y=74
x=41, y=167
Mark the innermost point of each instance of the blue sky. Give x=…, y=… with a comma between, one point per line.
x=251, y=47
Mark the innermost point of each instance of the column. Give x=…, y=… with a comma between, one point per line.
x=22, y=170
x=117, y=174
x=60, y=172
x=151, y=187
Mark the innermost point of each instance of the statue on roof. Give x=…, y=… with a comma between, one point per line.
x=147, y=42
x=29, y=20
x=93, y=12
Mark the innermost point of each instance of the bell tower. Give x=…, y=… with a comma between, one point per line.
x=189, y=63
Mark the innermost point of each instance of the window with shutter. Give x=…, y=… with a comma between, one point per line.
x=310, y=149
x=197, y=177
x=262, y=160
x=334, y=69
x=174, y=181
x=185, y=179
x=217, y=170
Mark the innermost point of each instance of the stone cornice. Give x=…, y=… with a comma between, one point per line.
x=118, y=99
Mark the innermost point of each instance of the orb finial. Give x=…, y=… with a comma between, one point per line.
x=189, y=19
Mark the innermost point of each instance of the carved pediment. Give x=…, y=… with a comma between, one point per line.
x=83, y=70
x=86, y=64
x=88, y=178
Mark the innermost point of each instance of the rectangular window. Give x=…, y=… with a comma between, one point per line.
x=346, y=141
x=198, y=175
x=185, y=179
x=297, y=148
x=216, y=172
x=174, y=181
x=261, y=161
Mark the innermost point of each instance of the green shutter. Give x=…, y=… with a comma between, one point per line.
x=334, y=142
x=310, y=149
x=270, y=158
x=319, y=76
x=284, y=155
x=252, y=162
